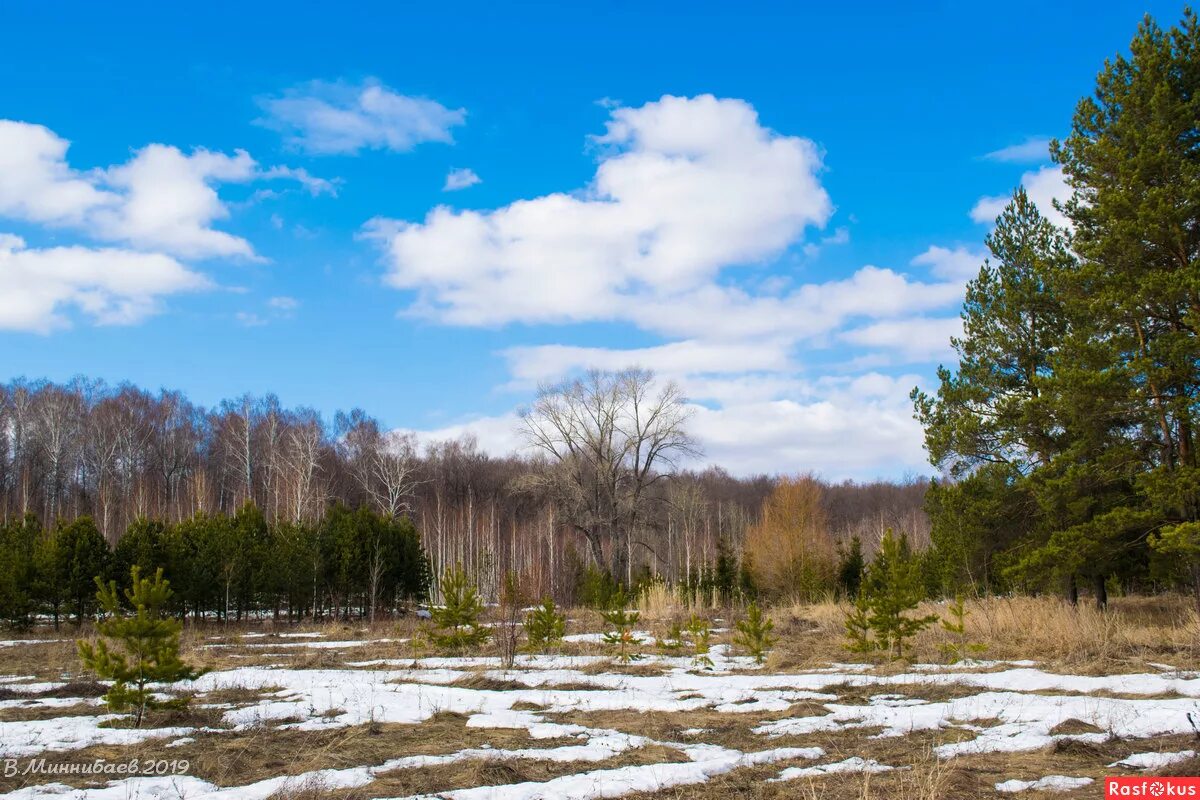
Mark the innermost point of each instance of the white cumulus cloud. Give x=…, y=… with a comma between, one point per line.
x=684, y=188
x=162, y=199
x=108, y=286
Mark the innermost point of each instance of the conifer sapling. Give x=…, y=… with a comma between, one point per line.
x=456, y=622
x=959, y=648
x=544, y=626
x=754, y=633
x=622, y=621
x=150, y=641
x=701, y=635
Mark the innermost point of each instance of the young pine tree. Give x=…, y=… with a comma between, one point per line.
x=959, y=648
x=894, y=588
x=622, y=621
x=701, y=634
x=858, y=625
x=456, y=624
x=544, y=626
x=150, y=640
x=754, y=633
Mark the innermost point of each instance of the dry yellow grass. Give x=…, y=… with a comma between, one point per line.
x=1132, y=633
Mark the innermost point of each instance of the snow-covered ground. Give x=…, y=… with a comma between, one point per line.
x=997, y=707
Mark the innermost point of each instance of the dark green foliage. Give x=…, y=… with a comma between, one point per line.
x=150, y=641
x=725, y=574
x=596, y=588
x=456, y=624
x=78, y=556
x=621, y=620
x=352, y=562
x=18, y=570
x=143, y=545
x=544, y=626
x=850, y=567
x=754, y=633
x=1070, y=420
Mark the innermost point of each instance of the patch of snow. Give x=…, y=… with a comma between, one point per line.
x=29, y=737
x=853, y=764
x=1149, y=761
x=1025, y=720
x=1050, y=783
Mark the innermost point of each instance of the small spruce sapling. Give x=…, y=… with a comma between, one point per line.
x=701, y=634
x=959, y=648
x=150, y=640
x=544, y=626
x=622, y=621
x=754, y=633
x=456, y=624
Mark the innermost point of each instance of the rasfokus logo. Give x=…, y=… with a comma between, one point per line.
x=1152, y=787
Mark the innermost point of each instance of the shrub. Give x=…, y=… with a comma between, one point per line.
x=150, y=640
x=512, y=600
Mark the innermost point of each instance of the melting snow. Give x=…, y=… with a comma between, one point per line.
x=854, y=764
x=1149, y=761
x=1050, y=783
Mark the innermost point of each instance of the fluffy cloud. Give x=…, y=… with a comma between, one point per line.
x=330, y=118
x=1043, y=186
x=1030, y=151
x=851, y=427
x=35, y=182
x=684, y=188
x=160, y=200
x=108, y=286
x=914, y=339
x=460, y=179
x=957, y=264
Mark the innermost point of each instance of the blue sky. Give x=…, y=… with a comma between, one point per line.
x=776, y=207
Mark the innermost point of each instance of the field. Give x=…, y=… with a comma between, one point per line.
x=1065, y=697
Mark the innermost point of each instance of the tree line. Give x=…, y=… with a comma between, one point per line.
x=123, y=455
x=223, y=567
x=1067, y=429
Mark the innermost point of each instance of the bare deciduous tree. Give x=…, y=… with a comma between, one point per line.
x=608, y=438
